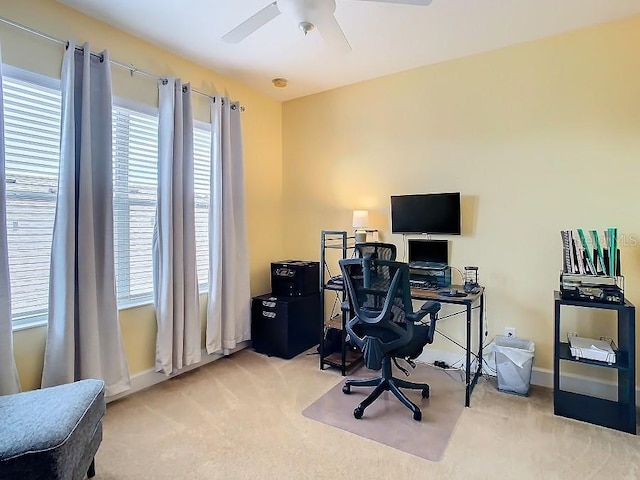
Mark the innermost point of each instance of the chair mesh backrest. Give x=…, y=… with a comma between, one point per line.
x=381, y=251
x=369, y=282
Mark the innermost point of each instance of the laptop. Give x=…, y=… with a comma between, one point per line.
x=430, y=254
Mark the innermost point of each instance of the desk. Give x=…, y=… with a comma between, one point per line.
x=468, y=301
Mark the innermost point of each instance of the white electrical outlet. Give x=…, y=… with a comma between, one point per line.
x=509, y=331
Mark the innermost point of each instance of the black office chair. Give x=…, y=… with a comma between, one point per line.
x=379, y=250
x=384, y=326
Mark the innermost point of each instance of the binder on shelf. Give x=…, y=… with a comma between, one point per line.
x=590, y=262
x=574, y=254
x=612, y=246
x=599, y=254
x=566, y=251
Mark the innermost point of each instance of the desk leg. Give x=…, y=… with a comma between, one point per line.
x=481, y=336
x=344, y=345
x=468, y=358
x=478, y=373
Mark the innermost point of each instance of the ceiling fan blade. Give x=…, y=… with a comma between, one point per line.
x=423, y=3
x=331, y=32
x=252, y=24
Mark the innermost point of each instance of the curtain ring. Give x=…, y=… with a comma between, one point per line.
x=165, y=81
x=233, y=107
x=184, y=89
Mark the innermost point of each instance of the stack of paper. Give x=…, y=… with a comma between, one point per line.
x=592, y=349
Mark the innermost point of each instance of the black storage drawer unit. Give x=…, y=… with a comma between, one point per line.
x=285, y=326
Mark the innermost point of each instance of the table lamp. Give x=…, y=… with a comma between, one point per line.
x=360, y=222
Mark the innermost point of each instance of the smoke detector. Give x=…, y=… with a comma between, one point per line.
x=279, y=82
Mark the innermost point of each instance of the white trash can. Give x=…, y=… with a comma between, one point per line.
x=514, y=361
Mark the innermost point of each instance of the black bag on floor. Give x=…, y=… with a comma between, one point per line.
x=332, y=341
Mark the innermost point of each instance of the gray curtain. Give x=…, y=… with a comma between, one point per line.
x=83, y=337
x=8, y=374
x=178, y=342
x=228, y=309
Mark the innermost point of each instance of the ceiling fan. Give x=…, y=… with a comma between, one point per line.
x=308, y=14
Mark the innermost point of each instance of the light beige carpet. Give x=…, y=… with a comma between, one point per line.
x=388, y=421
x=241, y=418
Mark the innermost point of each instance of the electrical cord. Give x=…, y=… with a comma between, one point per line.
x=488, y=376
x=450, y=369
x=485, y=318
x=452, y=340
x=404, y=247
x=459, y=272
x=473, y=354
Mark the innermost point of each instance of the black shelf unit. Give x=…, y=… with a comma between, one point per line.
x=621, y=414
x=346, y=359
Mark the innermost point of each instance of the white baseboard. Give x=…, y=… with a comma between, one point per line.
x=539, y=376
x=149, y=378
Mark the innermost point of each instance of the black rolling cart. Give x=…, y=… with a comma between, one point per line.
x=620, y=414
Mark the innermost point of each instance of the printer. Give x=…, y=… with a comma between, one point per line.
x=295, y=278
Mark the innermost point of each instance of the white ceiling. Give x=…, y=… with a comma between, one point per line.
x=385, y=38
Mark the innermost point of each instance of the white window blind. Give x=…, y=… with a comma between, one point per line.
x=135, y=177
x=135, y=180
x=32, y=106
x=202, y=171
x=32, y=111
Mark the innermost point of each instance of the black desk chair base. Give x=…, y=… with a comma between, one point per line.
x=386, y=382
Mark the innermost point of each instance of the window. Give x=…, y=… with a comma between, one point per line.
x=135, y=154
x=202, y=172
x=32, y=112
x=135, y=185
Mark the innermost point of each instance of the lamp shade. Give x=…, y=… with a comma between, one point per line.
x=360, y=218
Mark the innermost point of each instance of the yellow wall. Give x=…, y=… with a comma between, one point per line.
x=538, y=137
x=528, y=134
x=262, y=147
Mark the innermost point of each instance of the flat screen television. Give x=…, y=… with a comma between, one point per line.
x=426, y=213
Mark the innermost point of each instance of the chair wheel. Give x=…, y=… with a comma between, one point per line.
x=425, y=392
x=417, y=415
x=358, y=412
x=346, y=389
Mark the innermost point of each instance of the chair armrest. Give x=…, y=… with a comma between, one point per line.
x=345, y=307
x=428, y=308
x=416, y=316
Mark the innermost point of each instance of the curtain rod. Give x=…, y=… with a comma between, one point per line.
x=132, y=68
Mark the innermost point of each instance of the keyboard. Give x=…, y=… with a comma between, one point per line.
x=422, y=285
x=428, y=265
